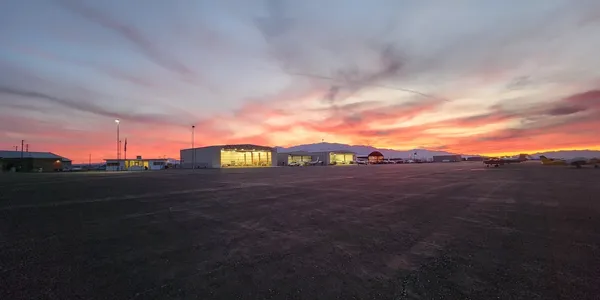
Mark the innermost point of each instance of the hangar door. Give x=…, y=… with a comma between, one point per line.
x=299, y=158
x=245, y=158
x=341, y=158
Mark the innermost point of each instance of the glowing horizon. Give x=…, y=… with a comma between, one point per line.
x=486, y=78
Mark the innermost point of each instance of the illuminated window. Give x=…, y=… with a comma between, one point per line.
x=238, y=158
x=376, y=157
x=299, y=158
x=341, y=158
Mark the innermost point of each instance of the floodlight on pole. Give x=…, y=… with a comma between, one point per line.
x=118, y=145
x=193, y=150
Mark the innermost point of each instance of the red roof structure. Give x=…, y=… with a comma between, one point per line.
x=375, y=157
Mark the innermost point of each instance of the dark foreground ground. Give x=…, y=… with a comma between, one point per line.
x=431, y=231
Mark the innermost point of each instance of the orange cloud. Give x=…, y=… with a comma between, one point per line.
x=305, y=117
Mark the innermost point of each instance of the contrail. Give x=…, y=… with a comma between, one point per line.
x=366, y=84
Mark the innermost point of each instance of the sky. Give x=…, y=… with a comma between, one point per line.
x=464, y=76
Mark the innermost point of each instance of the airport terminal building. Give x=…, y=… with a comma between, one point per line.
x=136, y=164
x=228, y=156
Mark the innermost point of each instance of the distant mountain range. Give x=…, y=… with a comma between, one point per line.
x=420, y=153
x=364, y=150
x=567, y=154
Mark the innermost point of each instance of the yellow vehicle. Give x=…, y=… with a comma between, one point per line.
x=577, y=162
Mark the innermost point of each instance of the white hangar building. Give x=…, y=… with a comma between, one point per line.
x=327, y=157
x=228, y=156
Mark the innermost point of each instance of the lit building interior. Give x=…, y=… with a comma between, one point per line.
x=341, y=158
x=245, y=158
x=135, y=164
x=376, y=157
x=299, y=158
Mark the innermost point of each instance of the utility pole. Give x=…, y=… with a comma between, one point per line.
x=90, y=161
x=193, y=150
x=22, y=142
x=16, y=148
x=125, y=155
x=118, y=145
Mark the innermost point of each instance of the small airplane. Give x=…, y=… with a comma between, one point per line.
x=496, y=162
x=578, y=162
x=314, y=163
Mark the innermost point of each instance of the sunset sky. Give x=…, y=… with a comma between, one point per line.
x=479, y=76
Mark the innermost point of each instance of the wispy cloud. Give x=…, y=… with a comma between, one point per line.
x=144, y=44
x=484, y=77
x=92, y=108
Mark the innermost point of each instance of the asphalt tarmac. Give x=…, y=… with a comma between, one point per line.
x=419, y=231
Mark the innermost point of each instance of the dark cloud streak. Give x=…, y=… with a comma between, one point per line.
x=354, y=79
x=114, y=72
x=93, y=108
x=565, y=110
x=276, y=23
x=316, y=76
x=142, y=43
x=347, y=80
x=332, y=93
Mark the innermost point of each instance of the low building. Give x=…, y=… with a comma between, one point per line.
x=447, y=158
x=476, y=158
x=17, y=161
x=227, y=156
x=136, y=164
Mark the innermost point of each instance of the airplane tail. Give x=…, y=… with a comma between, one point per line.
x=523, y=157
x=544, y=159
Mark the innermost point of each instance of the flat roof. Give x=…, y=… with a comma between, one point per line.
x=297, y=153
x=342, y=151
x=10, y=154
x=316, y=152
x=107, y=159
x=237, y=147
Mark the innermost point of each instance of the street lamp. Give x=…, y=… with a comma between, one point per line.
x=118, y=145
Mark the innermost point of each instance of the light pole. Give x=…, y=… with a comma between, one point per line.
x=118, y=145
x=193, y=151
x=21, y=162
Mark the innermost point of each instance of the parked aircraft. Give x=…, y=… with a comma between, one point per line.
x=314, y=163
x=522, y=157
x=496, y=162
x=577, y=162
